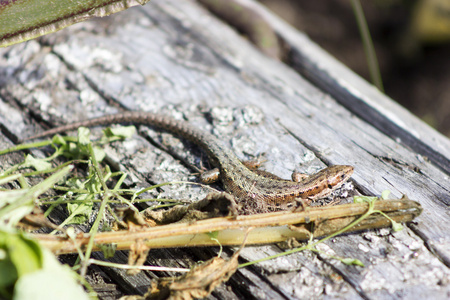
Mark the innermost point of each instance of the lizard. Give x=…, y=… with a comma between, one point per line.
x=259, y=191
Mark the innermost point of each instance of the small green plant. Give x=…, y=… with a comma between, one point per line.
x=22, y=259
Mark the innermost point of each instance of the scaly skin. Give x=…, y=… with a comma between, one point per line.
x=256, y=190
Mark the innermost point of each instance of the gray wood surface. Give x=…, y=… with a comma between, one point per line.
x=174, y=57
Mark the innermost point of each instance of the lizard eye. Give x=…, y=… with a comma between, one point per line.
x=330, y=186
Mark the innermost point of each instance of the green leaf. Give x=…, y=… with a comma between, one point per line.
x=396, y=226
x=122, y=132
x=33, y=272
x=79, y=213
x=24, y=253
x=75, y=183
x=72, y=151
x=93, y=184
x=80, y=149
x=99, y=154
x=8, y=273
x=84, y=136
x=352, y=261
x=52, y=281
x=15, y=204
x=58, y=140
x=364, y=199
x=18, y=256
x=36, y=163
x=49, y=284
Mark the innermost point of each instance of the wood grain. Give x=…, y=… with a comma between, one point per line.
x=174, y=57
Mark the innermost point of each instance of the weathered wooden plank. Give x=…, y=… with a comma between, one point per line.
x=174, y=57
x=365, y=101
x=335, y=78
